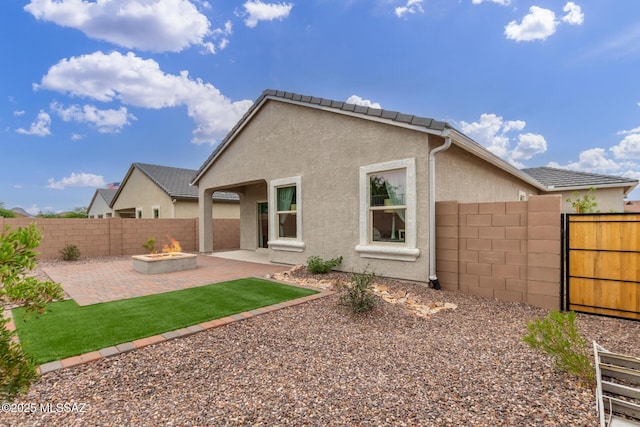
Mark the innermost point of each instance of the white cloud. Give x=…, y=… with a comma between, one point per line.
x=537, y=25
x=492, y=132
x=40, y=127
x=76, y=136
x=592, y=160
x=139, y=82
x=19, y=113
x=628, y=148
x=355, y=99
x=259, y=11
x=412, y=7
x=501, y=2
x=153, y=25
x=77, y=180
x=574, y=14
x=106, y=121
x=541, y=23
x=529, y=145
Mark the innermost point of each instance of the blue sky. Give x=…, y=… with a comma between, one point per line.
x=89, y=87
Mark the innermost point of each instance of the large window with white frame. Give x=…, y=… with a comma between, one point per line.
x=388, y=211
x=285, y=214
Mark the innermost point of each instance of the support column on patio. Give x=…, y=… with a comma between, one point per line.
x=205, y=212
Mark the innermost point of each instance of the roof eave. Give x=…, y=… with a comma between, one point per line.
x=628, y=187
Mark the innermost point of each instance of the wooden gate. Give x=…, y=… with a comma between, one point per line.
x=601, y=264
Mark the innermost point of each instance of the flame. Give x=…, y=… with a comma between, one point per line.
x=173, y=246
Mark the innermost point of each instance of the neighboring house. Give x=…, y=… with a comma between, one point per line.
x=100, y=203
x=153, y=191
x=609, y=190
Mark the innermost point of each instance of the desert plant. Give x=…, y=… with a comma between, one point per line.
x=357, y=293
x=70, y=253
x=317, y=265
x=17, y=257
x=584, y=204
x=150, y=246
x=557, y=336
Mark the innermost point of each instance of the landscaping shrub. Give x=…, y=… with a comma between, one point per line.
x=17, y=256
x=357, y=293
x=70, y=253
x=317, y=265
x=150, y=245
x=557, y=335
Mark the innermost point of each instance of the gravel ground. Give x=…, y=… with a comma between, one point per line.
x=318, y=365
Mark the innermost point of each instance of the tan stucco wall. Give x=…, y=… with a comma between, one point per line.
x=99, y=207
x=251, y=196
x=608, y=199
x=140, y=192
x=463, y=177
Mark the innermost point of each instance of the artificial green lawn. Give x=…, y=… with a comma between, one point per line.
x=67, y=329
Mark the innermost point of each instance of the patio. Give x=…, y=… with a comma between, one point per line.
x=92, y=283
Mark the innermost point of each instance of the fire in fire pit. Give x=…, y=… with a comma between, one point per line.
x=171, y=259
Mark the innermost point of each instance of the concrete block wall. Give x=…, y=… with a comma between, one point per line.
x=123, y=236
x=504, y=250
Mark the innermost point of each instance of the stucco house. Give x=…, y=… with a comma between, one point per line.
x=610, y=191
x=154, y=191
x=328, y=178
x=100, y=206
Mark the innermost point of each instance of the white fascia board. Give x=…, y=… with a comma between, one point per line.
x=629, y=187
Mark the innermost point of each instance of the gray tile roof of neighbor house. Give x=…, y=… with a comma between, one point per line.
x=107, y=194
x=554, y=178
x=176, y=182
x=394, y=116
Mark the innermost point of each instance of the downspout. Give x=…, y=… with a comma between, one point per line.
x=433, y=279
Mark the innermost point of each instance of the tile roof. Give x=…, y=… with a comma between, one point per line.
x=107, y=194
x=395, y=116
x=176, y=182
x=562, y=178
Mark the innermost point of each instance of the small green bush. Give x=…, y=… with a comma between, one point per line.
x=150, y=246
x=357, y=293
x=557, y=335
x=317, y=265
x=70, y=253
x=17, y=372
x=17, y=257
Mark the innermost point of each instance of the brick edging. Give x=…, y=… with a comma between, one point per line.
x=166, y=336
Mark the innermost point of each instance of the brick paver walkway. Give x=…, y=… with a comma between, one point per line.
x=109, y=281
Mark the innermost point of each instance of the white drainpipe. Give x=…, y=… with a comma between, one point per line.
x=432, y=208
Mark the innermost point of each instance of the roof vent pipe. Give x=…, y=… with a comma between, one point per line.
x=433, y=279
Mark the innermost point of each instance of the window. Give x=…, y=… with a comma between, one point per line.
x=286, y=211
x=285, y=215
x=156, y=211
x=387, y=206
x=138, y=212
x=388, y=211
x=522, y=196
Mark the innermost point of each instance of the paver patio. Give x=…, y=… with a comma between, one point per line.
x=93, y=283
